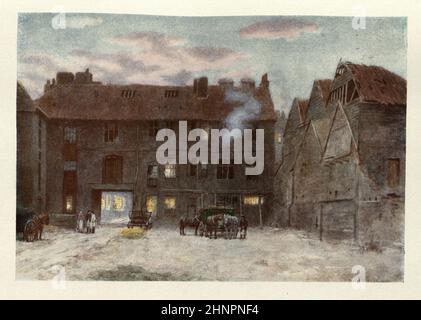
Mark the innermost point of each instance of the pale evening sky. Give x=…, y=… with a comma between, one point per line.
x=125, y=49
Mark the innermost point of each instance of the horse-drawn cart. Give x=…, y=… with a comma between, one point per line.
x=216, y=220
x=140, y=218
x=223, y=221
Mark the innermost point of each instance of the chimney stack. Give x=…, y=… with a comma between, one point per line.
x=201, y=85
x=83, y=77
x=195, y=86
x=226, y=84
x=264, y=83
x=64, y=78
x=247, y=85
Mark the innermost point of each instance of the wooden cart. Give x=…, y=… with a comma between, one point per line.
x=140, y=218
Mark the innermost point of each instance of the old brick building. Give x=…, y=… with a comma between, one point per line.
x=101, y=148
x=343, y=169
x=31, y=153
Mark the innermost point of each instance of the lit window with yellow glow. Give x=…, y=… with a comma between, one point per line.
x=170, y=202
x=106, y=202
x=119, y=203
x=69, y=203
x=278, y=137
x=151, y=204
x=252, y=200
x=169, y=171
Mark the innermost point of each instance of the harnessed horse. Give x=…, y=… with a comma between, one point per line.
x=34, y=226
x=189, y=222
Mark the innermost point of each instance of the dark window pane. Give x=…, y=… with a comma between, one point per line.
x=113, y=169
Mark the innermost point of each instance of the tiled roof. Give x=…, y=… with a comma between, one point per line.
x=376, y=84
x=143, y=102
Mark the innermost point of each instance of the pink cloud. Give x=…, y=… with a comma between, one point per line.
x=279, y=28
x=147, y=40
x=152, y=57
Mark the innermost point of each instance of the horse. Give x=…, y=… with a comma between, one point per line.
x=212, y=223
x=189, y=222
x=34, y=226
x=231, y=224
x=22, y=216
x=243, y=227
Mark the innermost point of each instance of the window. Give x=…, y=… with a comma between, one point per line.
x=278, y=137
x=70, y=165
x=151, y=204
x=193, y=170
x=106, y=201
x=226, y=200
x=171, y=93
x=393, y=172
x=69, y=135
x=128, y=93
x=69, y=204
x=225, y=171
x=113, y=169
x=119, y=203
x=69, y=191
x=152, y=175
x=170, y=171
x=170, y=203
x=110, y=132
x=340, y=71
x=153, y=171
x=253, y=200
x=153, y=128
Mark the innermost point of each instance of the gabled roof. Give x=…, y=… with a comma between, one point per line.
x=302, y=108
x=377, y=84
x=324, y=85
x=321, y=128
x=339, y=108
x=146, y=102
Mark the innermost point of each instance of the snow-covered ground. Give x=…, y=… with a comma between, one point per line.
x=267, y=254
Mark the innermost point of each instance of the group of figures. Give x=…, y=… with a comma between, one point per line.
x=228, y=225
x=30, y=224
x=86, y=222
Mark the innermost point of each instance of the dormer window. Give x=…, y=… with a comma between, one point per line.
x=340, y=71
x=171, y=93
x=128, y=93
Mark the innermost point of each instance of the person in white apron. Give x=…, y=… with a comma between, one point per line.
x=91, y=223
x=80, y=222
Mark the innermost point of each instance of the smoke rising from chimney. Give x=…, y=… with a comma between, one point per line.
x=241, y=116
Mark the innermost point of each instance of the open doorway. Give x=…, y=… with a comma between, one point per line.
x=116, y=206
